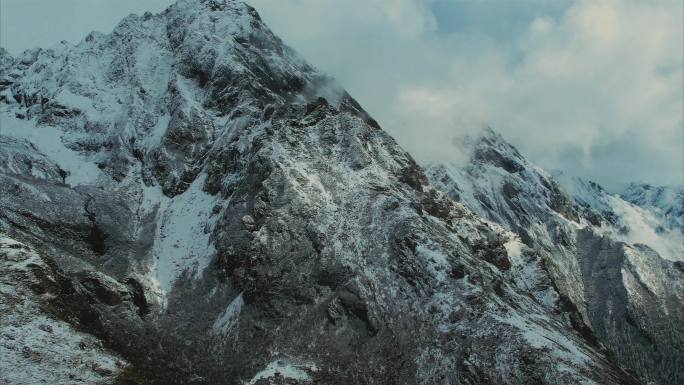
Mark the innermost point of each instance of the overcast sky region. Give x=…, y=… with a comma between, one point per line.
x=592, y=87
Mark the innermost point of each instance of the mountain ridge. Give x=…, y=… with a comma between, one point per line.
x=611, y=258
x=220, y=212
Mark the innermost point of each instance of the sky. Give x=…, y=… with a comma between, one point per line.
x=591, y=87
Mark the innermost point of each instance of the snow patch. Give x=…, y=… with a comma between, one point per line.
x=29, y=336
x=280, y=368
x=225, y=323
x=645, y=269
x=643, y=227
x=182, y=243
x=545, y=338
x=514, y=250
x=156, y=134
x=48, y=140
x=437, y=261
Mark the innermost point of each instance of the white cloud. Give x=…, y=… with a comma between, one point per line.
x=596, y=89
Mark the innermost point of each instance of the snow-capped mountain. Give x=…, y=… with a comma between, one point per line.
x=664, y=201
x=619, y=263
x=201, y=206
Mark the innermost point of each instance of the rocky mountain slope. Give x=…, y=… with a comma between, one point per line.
x=619, y=263
x=35, y=345
x=210, y=209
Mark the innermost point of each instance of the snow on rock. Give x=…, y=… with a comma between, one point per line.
x=20, y=157
x=643, y=226
x=282, y=369
x=545, y=338
x=35, y=347
x=437, y=261
x=182, y=244
x=514, y=249
x=653, y=218
x=594, y=245
x=227, y=320
x=48, y=140
x=665, y=201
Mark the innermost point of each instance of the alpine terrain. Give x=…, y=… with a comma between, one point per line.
x=186, y=201
x=617, y=258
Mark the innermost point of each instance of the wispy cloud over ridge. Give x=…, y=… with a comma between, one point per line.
x=593, y=87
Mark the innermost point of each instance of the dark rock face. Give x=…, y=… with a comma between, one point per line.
x=44, y=315
x=230, y=215
x=638, y=321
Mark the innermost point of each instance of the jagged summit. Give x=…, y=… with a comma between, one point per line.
x=125, y=96
x=493, y=167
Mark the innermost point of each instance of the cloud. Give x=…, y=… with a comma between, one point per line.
x=594, y=88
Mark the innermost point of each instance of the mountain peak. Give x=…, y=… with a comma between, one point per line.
x=487, y=147
x=193, y=64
